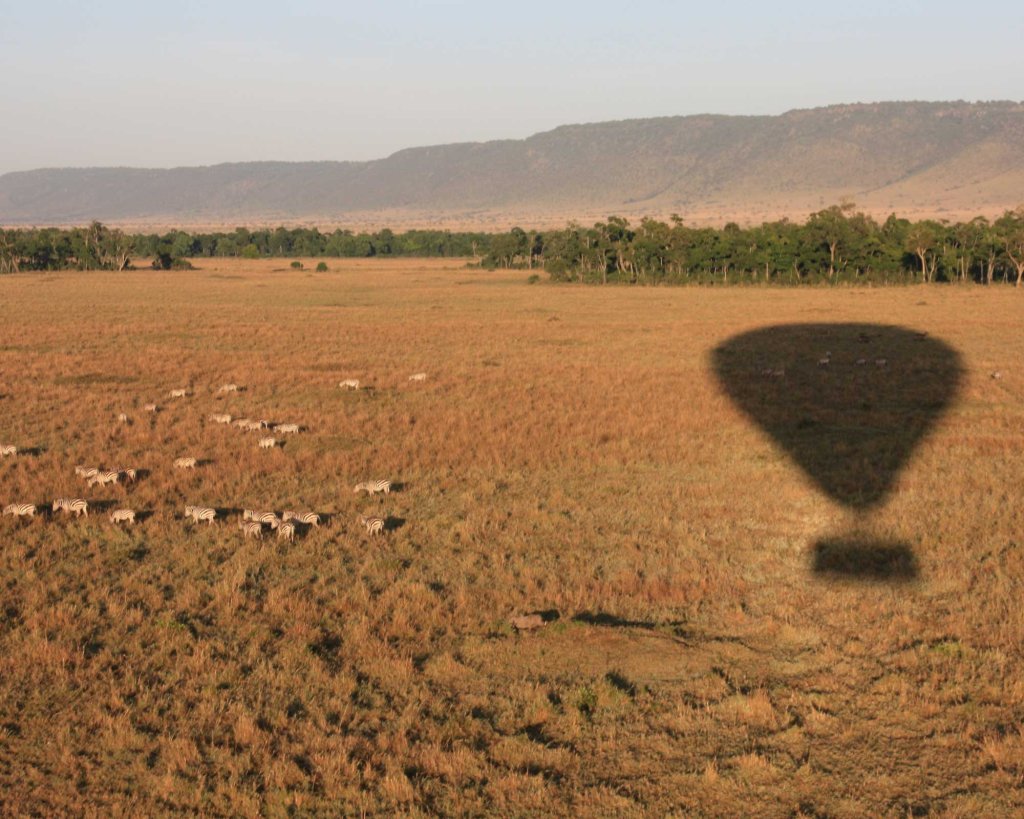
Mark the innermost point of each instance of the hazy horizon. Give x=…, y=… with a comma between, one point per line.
x=110, y=84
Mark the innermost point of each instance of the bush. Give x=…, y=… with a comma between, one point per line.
x=533, y=279
x=296, y=265
x=250, y=251
x=321, y=267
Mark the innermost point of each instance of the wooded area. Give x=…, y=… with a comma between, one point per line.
x=835, y=245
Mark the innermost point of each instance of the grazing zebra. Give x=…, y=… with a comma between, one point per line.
x=150, y=407
x=130, y=474
x=200, y=513
x=288, y=428
x=76, y=505
x=418, y=377
x=8, y=449
x=122, y=516
x=178, y=394
x=20, y=510
x=185, y=463
x=286, y=531
x=123, y=419
x=105, y=477
x=861, y=362
x=374, y=525
x=252, y=426
x=228, y=388
x=268, y=443
x=373, y=487
x=220, y=418
x=880, y=362
x=269, y=518
x=251, y=529
x=242, y=423
x=350, y=384
x=86, y=471
x=306, y=518
x=824, y=361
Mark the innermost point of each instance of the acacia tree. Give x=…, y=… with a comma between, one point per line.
x=922, y=241
x=1010, y=227
x=831, y=228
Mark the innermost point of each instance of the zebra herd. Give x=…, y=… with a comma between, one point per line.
x=252, y=523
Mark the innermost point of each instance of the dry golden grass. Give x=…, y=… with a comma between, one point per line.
x=571, y=452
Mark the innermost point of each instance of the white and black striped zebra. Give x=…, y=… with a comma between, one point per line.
x=286, y=531
x=305, y=518
x=185, y=463
x=102, y=478
x=269, y=518
x=373, y=487
x=220, y=418
x=350, y=384
x=122, y=516
x=267, y=443
x=228, y=388
x=251, y=528
x=76, y=506
x=374, y=525
x=201, y=513
x=288, y=428
x=86, y=471
x=8, y=449
x=20, y=510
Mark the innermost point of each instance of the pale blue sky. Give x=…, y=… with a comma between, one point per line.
x=125, y=83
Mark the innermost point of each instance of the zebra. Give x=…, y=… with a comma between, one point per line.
x=418, y=377
x=373, y=487
x=269, y=518
x=150, y=407
x=220, y=418
x=68, y=505
x=228, y=388
x=287, y=428
x=268, y=443
x=86, y=471
x=286, y=531
x=185, y=463
x=122, y=516
x=881, y=362
x=861, y=362
x=241, y=423
x=350, y=384
x=306, y=518
x=825, y=360
x=122, y=418
x=178, y=394
x=251, y=529
x=252, y=426
x=20, y=510
x=8, y=449
x=374, y=525
x=103, y=478
x=200, y=513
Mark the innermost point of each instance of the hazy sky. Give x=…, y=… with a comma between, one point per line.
x=199, y=81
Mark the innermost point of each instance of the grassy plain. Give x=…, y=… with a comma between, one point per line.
x=572, y=453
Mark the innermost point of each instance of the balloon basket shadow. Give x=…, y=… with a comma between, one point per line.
x=862, y=557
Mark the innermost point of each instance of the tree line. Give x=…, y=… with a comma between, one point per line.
x=98, y=247
x=834, y=245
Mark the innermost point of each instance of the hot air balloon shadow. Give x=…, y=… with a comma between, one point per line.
x=848, y=403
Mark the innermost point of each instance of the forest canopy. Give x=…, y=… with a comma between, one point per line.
x=835, y=245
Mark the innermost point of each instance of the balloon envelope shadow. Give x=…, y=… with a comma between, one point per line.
x=848, y=403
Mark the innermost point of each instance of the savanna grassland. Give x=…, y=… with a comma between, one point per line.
x=571, y=452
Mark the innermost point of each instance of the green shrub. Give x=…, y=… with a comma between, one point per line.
x=296, y=265
x=321, y=267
